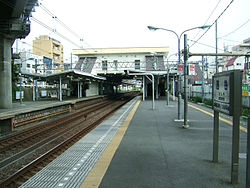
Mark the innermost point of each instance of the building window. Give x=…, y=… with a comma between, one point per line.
x=33, y=66
x=137, y=64
x=104, y=65
x=28, y=65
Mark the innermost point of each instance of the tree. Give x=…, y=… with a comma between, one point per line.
x=14, y=75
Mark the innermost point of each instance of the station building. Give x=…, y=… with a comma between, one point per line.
x=115, y=60
x=113, y=63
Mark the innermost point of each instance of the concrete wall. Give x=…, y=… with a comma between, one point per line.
x=125, y=61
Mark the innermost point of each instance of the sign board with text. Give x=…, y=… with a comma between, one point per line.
x=227, y=91
x=180, y=68
x=245, y=90
x=224, y=92
x=191, y=69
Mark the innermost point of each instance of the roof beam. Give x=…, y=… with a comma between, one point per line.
x=219, y=54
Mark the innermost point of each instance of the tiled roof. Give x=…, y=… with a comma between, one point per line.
x=231, y=61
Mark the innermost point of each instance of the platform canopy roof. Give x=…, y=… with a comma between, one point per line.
x=74, y=74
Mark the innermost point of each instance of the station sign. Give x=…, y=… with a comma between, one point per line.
x=248, y=79
x=245, y=90
x=227, y=91
x=180, y=68
x=224, y=92
x=191, y=69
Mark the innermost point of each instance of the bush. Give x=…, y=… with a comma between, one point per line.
x=245, y=111
x=196, y=99
x=208, y=102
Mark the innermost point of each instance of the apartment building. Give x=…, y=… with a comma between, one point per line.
x=50, y=48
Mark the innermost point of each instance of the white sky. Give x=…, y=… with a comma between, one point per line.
x=123, y=23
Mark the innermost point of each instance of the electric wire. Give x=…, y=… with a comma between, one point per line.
x=205, y=45
x=54, y=31
x=232, y=40
x=205, y=23
x=235, y=29
x=61, y=23
x=58, y=20
x=213, y=23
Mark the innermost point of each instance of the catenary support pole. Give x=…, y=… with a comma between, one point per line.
x=78, y=89
x=157, y=87
x=216, y=113
x=179, y=81
x=143, y=86
x=167, y=87
x=36, y=91
x=33, y=91
x=173, y=86
x=185, y=125
x=21, y=90
x=60, y=88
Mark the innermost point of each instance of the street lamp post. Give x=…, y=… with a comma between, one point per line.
x=179, y=57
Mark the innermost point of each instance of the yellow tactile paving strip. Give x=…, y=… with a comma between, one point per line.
x=220, y=118
x=95, y=176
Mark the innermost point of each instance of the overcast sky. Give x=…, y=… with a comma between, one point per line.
x=117, y=23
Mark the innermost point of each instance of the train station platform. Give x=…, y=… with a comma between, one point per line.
x=19, y=113
x=141, y=147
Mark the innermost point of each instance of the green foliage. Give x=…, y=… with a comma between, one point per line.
x=14, y=75
x=208, y=102
x=245, y=111
x=196, y=99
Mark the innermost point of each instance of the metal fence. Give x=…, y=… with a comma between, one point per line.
x=196, y=91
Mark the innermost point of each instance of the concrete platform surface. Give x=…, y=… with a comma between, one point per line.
x=139, y=147
x=157, y=152
x=29, y=106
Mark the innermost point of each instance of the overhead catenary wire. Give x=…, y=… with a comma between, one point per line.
x=58, y=20
x=205, y=45
x=235, y=29
x=62, y=23
x=213, y=23
x=54, y=31
x=205, y=23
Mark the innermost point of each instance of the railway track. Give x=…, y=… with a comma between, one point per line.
x=35, y=148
